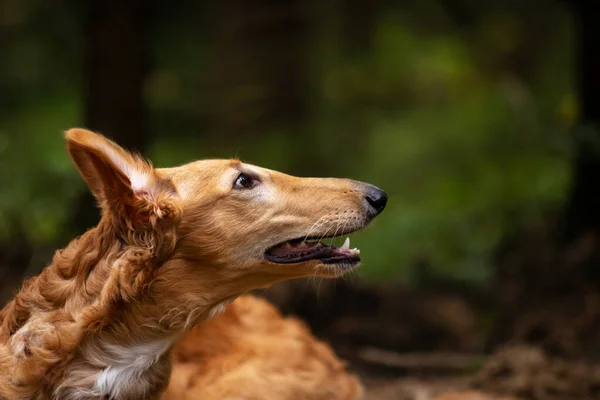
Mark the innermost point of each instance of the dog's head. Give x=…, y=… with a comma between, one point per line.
x=237, y=220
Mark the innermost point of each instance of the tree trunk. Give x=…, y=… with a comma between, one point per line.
x=583, y=209
x=115, y=69
x=259, y=67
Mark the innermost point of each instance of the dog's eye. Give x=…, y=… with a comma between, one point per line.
x=244, y=181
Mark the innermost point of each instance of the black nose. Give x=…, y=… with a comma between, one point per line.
x=376, y=198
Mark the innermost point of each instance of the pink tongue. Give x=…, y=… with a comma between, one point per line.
x=295, y=248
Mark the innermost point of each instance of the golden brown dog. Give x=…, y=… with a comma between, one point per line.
x=173, y=247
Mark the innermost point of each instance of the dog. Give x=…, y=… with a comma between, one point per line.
x=174, y=247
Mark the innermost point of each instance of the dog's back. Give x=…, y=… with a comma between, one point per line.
x=252, y=352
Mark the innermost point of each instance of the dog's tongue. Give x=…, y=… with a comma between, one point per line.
x=300, y=247
x=295, y=247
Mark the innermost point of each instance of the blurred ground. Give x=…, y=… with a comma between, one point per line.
x=519, y=372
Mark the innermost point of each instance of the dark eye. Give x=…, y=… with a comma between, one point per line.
x=244, y=181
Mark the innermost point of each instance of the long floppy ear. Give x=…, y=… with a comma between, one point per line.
x=124, y=183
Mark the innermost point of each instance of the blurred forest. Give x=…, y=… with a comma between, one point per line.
x=476, y=117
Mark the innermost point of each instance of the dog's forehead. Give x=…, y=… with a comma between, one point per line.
x=198, y=169
x=212, y=169
x=214, y=172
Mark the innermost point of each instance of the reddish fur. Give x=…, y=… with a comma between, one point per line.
x=168, y=250
x=250, y=351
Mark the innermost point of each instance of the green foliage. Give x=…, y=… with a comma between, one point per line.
x=468, y=144
x=37, y=178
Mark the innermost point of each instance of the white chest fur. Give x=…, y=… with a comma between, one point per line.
x=126, y=366
x=118, y=370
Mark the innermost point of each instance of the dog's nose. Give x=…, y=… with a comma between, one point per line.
x=376, y=198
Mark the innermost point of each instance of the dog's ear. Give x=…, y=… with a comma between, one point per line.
x=124, y=183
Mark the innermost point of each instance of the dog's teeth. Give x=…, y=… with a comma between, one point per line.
x=287, y=245
x=355, y=252
x=346, y=245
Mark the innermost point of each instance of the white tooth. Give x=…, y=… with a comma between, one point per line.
x=346, y=245
x=355, y=252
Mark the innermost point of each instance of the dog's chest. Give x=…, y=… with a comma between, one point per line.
x=127, y=372
x=122, y=372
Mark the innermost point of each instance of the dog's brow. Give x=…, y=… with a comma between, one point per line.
x=236, y=163
x=247, y=169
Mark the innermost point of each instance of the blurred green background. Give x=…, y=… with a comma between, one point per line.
x=461, y=110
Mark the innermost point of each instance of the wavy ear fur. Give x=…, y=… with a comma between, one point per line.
x=124, y=183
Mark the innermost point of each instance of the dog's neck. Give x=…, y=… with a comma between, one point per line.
x=100, y=311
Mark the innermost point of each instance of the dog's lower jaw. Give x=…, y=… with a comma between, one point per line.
x=333, y=271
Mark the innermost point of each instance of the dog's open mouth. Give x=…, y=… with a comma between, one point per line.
x=302, y=250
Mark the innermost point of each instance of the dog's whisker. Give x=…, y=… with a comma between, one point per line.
x=344, y=226
x=313, y=226
x=321, y=221
x=337, y=227
x=327, y=231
